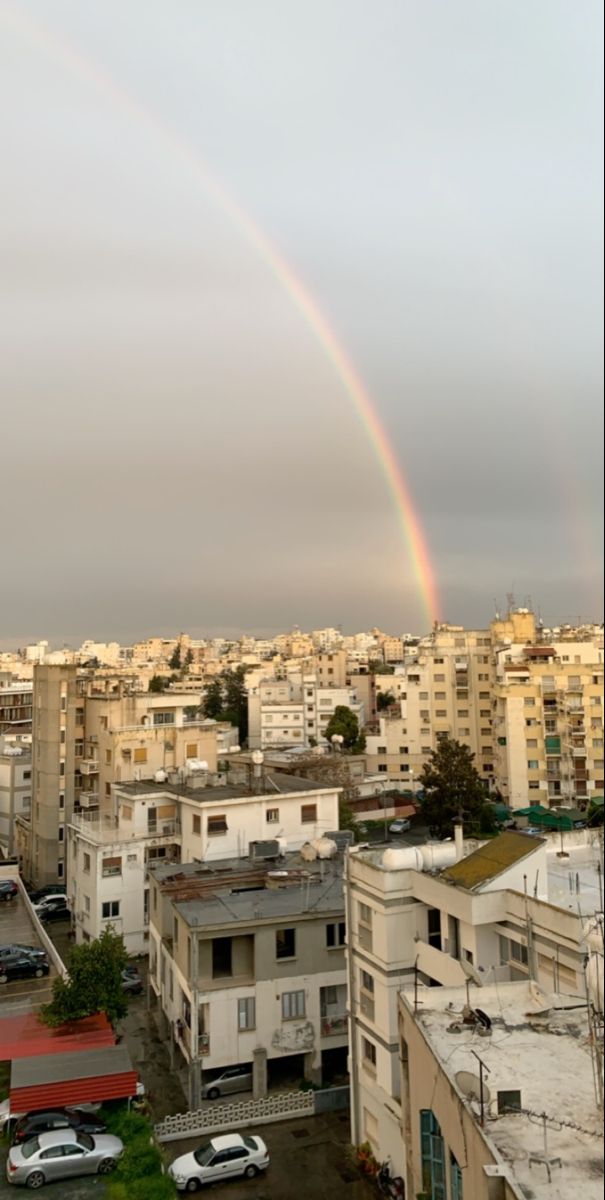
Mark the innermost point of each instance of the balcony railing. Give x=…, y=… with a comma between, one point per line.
x=334, y=1026
x=89, y=766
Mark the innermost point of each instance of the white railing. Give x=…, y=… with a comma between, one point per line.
x=281, y=1106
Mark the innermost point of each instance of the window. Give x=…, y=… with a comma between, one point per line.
x=423, y=695
x=532, y=743
x=366, y=981
x=463, y=712
x=439, y=695
x=110, y=908
x=433, y=1156
x=368, y=1051
x=438, y=678
x=246, y=1013
x=217, y=825
x=163, y=718
x=464, y=732
x=382, y=767
x=529, y=702
x=534, y=785
x=292, y=1005
x=112, y=866
x=196, y=824
x=455, y=1179
x=308, y=814
x=404, y=767
x=175, y=931
x=273, y=816
x=61, y=833
x=441, y=712
x=140, y=754
x=532, y=764
x=60, y=869
x=285, y=943
x=191, y=750
x=382, y=749
x=336, y=935
x=403, y=750
x=61, y=768
x=86, y=863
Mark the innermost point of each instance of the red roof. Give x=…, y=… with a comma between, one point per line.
x=73, y=1078
x=26, y=1036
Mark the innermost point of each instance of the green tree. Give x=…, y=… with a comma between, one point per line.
x=93, y=983
x=453, y=790
x=384, y=700
x=157, y=683
x=188, y=658
x=236, y=700
x=175, y=660
x=345, y=724
x=213, y=699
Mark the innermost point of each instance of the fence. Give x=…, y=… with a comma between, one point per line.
x=281, y=1106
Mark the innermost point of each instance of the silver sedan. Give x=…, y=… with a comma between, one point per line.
x=61, y=1154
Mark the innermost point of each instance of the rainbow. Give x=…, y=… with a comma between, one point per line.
x=408, y=518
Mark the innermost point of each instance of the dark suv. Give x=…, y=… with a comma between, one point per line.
x=57, y=1118
x=20, y=948
x=21, y=966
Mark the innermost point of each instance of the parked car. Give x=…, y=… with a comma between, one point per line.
x=54, y=908
x=21, y=948
x=224, y=1157
x=8, y=889
x=8, y=1118
x=400, y=825
x=21, y=966
x=61, y=1155
x=57, y=1118
x=49, y=889
x=233, y=1079
x=48, y=901
x=132, y=983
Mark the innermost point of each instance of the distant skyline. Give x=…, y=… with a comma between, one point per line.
x=178, y=450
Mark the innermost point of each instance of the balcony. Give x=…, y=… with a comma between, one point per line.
x=89, y=766
x=335, y=1026
x=89, y=799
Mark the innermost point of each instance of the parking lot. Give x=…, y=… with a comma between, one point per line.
x=21, y=995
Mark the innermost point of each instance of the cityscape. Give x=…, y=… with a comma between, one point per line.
x=302, y=749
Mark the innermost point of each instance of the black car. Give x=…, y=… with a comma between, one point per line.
x=57, y=1118
x=8, y=889
x=21, y=948
x=21, y=966
x=49, y=889
x=55, y=909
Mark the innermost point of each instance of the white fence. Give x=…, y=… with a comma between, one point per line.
x=216, y=1118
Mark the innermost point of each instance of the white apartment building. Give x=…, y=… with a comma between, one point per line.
x=417, y=918
x=295, y=711
x=108, y=857
x=247, y=965
x=15, y=790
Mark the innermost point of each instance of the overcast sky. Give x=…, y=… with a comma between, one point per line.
x=176, y=449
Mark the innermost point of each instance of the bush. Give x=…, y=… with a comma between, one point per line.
x=139, y=1172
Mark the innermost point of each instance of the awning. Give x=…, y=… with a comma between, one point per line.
x=26, y=1036
x=82, y=1077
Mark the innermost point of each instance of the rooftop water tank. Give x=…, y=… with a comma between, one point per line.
x=595, y=981
x=325, y=847
x=160, y=776
x=436, y=855
x=402, y=858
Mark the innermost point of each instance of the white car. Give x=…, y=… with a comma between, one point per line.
x=224, y=1157
x=50, y=902
x=400, y=825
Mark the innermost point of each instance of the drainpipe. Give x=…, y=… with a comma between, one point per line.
x=459, y=840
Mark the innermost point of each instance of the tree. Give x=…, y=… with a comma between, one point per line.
x=453, y=790
x=175, y=660
x=384, y=700
x=226, y=699
x=213, y=699
x=157, y=683
x=345, y=724
x=93, y=983
x=188, y=658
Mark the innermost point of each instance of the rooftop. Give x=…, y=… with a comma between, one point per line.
x=540, y=1048
x=576, y=881
x=491, y=860
x=272, y=784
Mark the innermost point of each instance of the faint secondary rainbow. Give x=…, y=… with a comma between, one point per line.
x=409, y=520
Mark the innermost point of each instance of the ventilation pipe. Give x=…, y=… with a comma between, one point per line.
x=459, y=840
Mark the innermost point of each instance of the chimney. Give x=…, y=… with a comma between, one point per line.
x=459, y=840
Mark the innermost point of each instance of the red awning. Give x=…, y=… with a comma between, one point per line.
x=26, y=1036
x=82, y=1077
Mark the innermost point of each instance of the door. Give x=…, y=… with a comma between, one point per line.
x=76, y=1161
x=222, y=1166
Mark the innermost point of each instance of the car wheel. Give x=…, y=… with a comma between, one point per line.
x=107, y=1166
x=39, y=972
x=35, y=1180
x=3, y=978
x=213, y=1094
x=192, y=1185
x=250, y=1171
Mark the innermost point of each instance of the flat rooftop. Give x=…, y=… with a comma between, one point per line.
x=274, y=783
x=576, y=882
x=540, y=1048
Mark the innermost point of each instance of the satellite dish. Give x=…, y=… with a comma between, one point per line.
x=470, y=1086
x=257, y=757
x=471, y=972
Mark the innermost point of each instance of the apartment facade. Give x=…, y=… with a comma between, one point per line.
x=15, y=791
x=296, y=711
x=247, y=966
x=16, y=700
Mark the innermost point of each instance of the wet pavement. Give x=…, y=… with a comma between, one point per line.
x=21, y=995
x=309, y=1157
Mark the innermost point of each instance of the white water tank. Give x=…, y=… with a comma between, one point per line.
x=325, y=847
x=593, y=935
x=160, y=776
x=283, y=846
x=308, y=852
x=402, y=858
x=595, y=981
x=436, y=855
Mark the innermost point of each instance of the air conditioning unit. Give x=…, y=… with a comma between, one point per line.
x=261, y=851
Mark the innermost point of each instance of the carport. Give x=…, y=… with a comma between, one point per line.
x=26, y=1036
x=80, y=1077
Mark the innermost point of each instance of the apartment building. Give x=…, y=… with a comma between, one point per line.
x=15, y=790
x=504, y=1116
x=247, y=965
x=16, y=699
x=548, y=723
x=430, y=916
x=189, y=820
x=296, y=711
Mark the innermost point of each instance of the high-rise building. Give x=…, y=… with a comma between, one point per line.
x=58, y=733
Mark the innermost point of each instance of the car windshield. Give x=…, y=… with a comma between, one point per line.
x=30, y=1147
x=85, y=1140
x=204, y=1155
